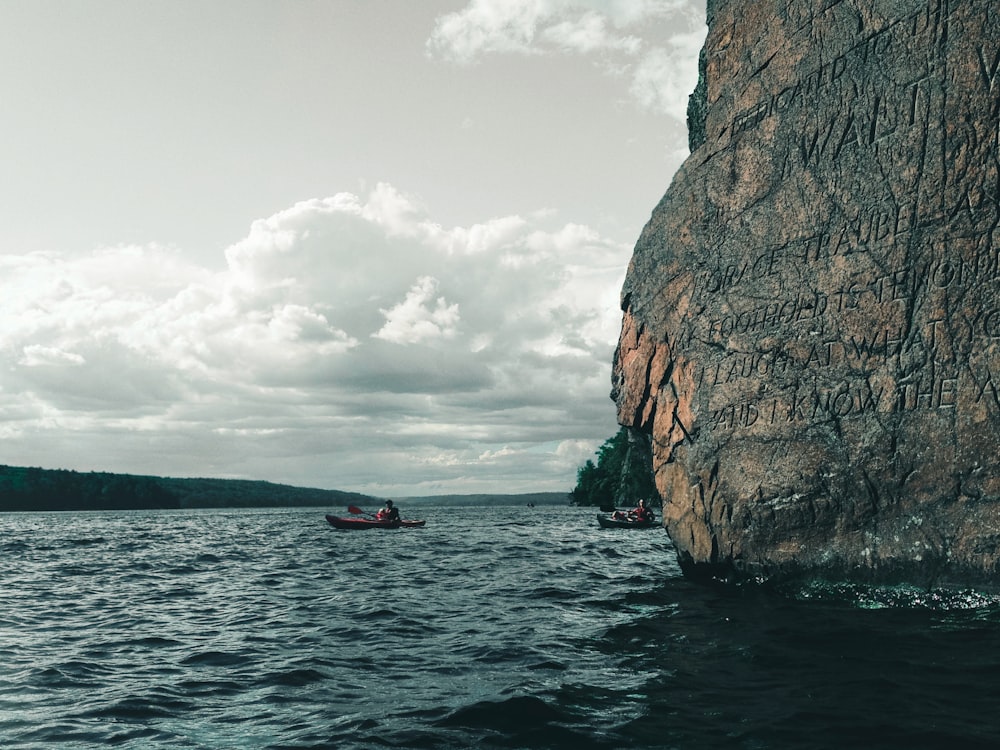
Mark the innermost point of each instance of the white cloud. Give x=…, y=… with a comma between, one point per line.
x=653, y=42
x=354, y=334
x=662, y=80
x=486, y=26
x=37, y=356
x=419, y=317
x=589, y=33
x=477, y=239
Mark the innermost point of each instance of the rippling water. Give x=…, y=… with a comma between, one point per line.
x=505, y=627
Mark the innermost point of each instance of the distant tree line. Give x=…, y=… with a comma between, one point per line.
x=622, y=475
x=527, y=498
x=35, y=489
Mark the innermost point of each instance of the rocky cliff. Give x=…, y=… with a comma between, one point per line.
x=811, y=330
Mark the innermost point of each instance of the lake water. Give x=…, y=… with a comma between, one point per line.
x=503, y=627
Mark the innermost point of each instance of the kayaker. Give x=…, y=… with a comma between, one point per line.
x=388, y=513
x=642, y=513
x=639, y=513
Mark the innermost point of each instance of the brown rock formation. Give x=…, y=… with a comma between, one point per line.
x=811, y=328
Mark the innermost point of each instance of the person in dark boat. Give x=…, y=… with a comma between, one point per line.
x=389, y=513
x=641, y=513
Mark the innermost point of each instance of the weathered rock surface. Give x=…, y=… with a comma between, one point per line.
x=811, y=327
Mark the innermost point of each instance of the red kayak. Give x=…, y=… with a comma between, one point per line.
x=370, y=523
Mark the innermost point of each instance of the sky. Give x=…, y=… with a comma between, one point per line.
x=370, y=245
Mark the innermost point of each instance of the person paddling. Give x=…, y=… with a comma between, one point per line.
x=641, y=513
x=388, y=513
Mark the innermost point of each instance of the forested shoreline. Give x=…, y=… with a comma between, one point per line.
x=36, y=489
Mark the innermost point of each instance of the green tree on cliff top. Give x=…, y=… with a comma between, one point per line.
x=622, y=475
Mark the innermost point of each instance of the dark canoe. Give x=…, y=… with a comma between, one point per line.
x=613, y=523
x=370, y=523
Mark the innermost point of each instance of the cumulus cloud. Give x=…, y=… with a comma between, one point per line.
x=347, y=339
x=36, y=356
x=662, y=79
x=652, y=42
x=420, y=317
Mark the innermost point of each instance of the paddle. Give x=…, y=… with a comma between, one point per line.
x=357, y=511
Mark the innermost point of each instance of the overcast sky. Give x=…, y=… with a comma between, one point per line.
x=373, y=245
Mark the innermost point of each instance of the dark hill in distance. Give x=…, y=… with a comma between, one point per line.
x=34, y=489
x=530, y=498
